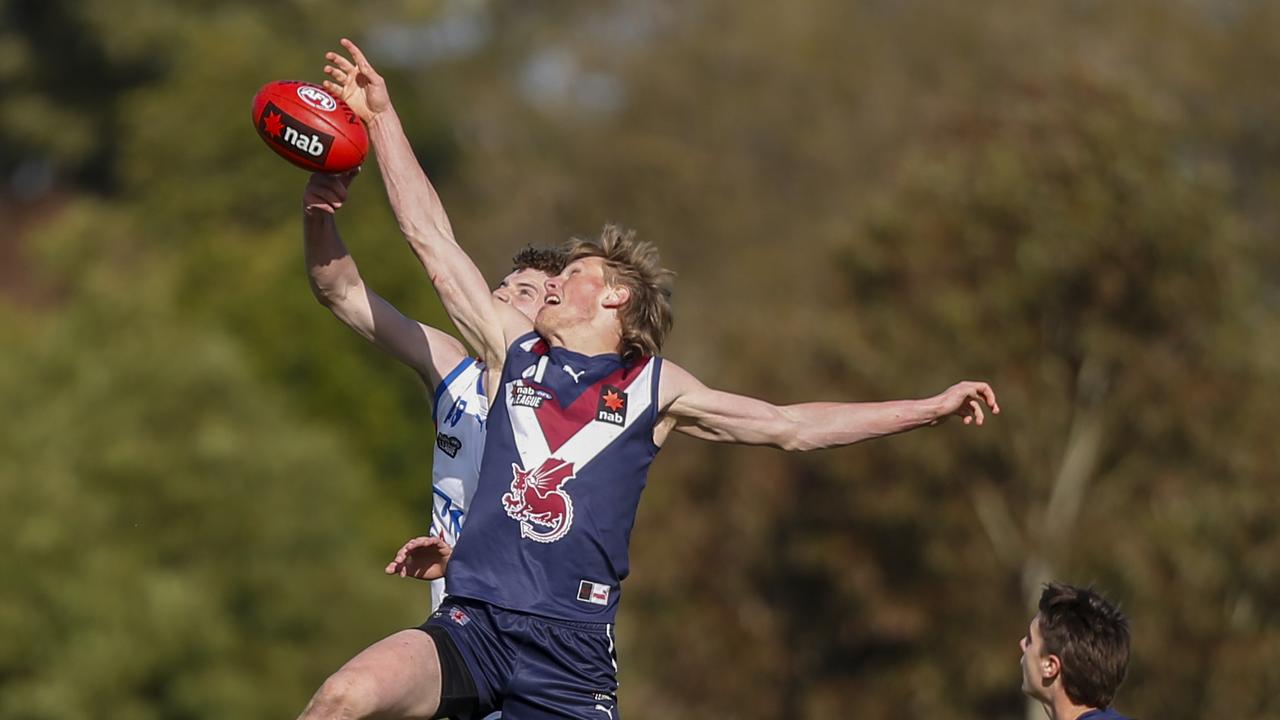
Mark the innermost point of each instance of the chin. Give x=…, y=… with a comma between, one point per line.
x=543, y=322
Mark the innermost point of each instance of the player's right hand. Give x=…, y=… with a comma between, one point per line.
x=422, y=558
x=356, y=82
x=326, y=192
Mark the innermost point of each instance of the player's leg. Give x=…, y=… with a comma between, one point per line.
x=475, y=657
x=398, y=676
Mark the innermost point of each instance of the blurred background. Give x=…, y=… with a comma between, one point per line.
x=202, y=472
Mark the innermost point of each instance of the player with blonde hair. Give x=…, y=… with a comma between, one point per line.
x=582, y=405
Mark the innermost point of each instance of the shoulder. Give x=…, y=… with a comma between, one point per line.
x=674, y=382
x=527, y=342
x=465, y=378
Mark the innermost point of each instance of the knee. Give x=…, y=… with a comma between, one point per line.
x=345, y=695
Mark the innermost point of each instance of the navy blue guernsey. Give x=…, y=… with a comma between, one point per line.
x=1102, y=714
x=570, y=441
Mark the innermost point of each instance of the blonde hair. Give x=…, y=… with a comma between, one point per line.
x=633, y=264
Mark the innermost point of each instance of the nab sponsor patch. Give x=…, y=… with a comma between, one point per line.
x=593, y=592
x=612, y=407
x=527, y=396
x=448, y=444
x=293, y=136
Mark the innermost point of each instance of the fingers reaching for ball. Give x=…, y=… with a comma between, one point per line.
x=356, y=82
x=327, y=192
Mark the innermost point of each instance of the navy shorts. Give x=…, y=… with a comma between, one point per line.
x=529, y=666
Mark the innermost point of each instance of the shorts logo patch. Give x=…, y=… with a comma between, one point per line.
x=459, y=617
x=593, y=592
x=448, y=444
x=612, y=407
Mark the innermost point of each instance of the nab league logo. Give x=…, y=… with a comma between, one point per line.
x=528, y=396
x=536, y=501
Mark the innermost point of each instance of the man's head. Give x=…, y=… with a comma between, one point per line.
x=525, y=287
x=1077, y=645
x=614, y=279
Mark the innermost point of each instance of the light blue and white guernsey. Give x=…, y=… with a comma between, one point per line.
x=461, y=408
x=566, y=457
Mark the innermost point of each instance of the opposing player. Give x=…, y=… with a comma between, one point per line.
x=456, y=381
x=1075, y=654
x=583, y=407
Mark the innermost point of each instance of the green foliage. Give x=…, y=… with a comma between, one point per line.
x=202, y=471
x=181, y=541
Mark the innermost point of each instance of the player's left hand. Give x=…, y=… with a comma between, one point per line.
x=966, y=399
x=326, y=193
x=422, y=558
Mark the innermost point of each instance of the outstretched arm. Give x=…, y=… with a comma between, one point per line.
x=695, y=409
x=336, y=283
x=486, y=324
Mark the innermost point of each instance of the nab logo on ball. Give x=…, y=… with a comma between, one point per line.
x=309, y=127
x=293, y=136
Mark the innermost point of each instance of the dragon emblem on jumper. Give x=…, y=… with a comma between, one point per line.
x=536, y=501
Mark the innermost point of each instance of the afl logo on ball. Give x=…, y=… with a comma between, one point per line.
x=317, y=98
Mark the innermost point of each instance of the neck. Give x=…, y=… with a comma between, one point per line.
x=1063, y=709
x=587, y=339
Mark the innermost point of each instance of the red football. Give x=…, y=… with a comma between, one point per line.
x=309, y=127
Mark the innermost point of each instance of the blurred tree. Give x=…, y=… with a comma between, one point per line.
x=865, y=200
x=1044, y=215
x=173, y=91
x=174, y=443
x=1058, y=237
x=180, y=542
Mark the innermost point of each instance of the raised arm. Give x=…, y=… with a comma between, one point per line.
x=486, y=324
x=336, y=283
x=695, y=409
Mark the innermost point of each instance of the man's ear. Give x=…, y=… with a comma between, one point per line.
x=1050, y=668
x=616, y=297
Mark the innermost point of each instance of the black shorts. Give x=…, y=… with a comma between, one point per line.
x=527, y=666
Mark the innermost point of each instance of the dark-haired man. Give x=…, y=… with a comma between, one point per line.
x=1075, y=654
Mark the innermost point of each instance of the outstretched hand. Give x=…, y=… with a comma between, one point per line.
x=327, y=192
x=423, y=558
x=966, y=399
x=356, y=82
